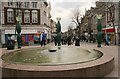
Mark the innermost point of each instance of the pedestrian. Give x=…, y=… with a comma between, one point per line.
x=43, y=39
x=93, y=39
x=69, y=40
x=55, y=40
x=62, y=40
x=106, y=40
x=77, y=41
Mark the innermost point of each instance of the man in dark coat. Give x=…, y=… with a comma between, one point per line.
x=77, y=41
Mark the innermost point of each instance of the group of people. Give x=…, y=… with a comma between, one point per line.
x=69, y=40
x=88, y=38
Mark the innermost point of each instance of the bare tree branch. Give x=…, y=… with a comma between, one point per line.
x=77, y=20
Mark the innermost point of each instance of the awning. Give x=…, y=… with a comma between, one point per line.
x=109, y=30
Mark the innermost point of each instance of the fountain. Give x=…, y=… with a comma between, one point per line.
x=65, y=62
x=61, y=61
x=63, y=56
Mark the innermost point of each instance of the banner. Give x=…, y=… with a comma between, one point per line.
x=23, y=38
x=37, y=37
x=31, y=38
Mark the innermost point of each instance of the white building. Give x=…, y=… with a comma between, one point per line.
x=35, y=19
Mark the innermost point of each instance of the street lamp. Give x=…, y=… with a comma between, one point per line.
x=99, y=28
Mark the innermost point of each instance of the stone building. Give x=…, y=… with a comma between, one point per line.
x=0, y=27
x=89, y=21
x=119, y=25
x=112, y=21
x=35, y=19
x=53, y=26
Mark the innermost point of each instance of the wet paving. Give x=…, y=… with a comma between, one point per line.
x=42, y=56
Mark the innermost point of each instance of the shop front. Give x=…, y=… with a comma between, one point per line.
x=112, y=34
x=119, y=35
x=29, y=37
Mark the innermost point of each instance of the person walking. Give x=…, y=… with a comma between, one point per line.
x=106, y=40
x=69, y=40
x=55, y=40
x=77, y=41
x=43, y=39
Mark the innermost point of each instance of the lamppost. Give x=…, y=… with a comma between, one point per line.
x=99, y=28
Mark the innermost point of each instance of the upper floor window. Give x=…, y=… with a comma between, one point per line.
x=10, y=3
x=45, y=14
x=34, y=4
x=18, y=4
x=10, y=16
x=26, y=4
x=34, y=16
x=27, y=16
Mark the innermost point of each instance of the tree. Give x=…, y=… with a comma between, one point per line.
x=77, y=20
x=70, y=29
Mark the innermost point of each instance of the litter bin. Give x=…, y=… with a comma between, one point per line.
x=10, y=43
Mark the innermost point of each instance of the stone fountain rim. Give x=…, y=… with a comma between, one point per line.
x=107, y=57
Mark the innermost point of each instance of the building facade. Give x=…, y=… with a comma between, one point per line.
x=110, y=11
x=35, y=19
x=112, y=22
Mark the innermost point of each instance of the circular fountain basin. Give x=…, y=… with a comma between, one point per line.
x=64, y=62
x=64, y=56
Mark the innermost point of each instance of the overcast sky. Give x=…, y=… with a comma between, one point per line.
x=64, y=9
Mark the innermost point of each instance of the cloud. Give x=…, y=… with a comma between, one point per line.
x=68, y=5
x=64, y=9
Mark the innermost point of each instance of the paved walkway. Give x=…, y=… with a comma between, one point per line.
x=111, y=49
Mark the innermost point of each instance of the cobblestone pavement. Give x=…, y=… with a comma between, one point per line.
x=111, y=49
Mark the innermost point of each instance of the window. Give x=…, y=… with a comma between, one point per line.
x=26, y=4
x=19, y=13
x=45, y=14
x=9, y=3
x=18, y=4
x=34, y=16
x=10, y=16
x=27, y=16
x=34, y=4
